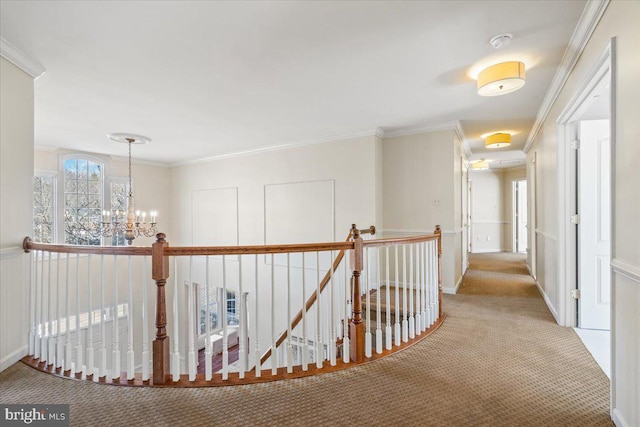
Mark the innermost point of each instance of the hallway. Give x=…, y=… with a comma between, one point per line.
x=499, y=359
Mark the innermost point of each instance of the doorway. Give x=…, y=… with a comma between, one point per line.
x=519, y=189
x=585, y=187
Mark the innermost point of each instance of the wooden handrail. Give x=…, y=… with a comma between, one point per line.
x=399, y=240
x=312, y=299
x=256, y=249
x=28, y=245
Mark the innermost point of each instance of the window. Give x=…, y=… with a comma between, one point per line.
x=69, y=210
x=214, y=309
x=43, y=209
x=83, y=182
x=118, y=198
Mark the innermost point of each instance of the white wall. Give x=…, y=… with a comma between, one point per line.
x=16, y=198
x=492, y=208
x=510, y=175
x=422, y=189
x=296, y=195
x=620, y=21
x=488, y=223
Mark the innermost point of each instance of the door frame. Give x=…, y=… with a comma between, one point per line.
x=515, y=213
x=600, y=75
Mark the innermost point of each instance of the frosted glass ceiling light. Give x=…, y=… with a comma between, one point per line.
x=480, y=166
x=500, y=79
x=497, y=140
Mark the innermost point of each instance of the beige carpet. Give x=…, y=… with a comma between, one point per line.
x=496, y=361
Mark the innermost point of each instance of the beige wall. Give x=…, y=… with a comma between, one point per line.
x=422, y=188
x=620, y=20
x=16, y=198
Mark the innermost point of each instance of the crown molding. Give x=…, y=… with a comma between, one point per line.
x=20, y=59
x=124, y=159
x=434, y=127
x=48, y=148
x=587, y=24
x=379, y=132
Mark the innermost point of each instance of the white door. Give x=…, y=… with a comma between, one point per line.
x=521, y=216
x=594, y=240
x=465, y=217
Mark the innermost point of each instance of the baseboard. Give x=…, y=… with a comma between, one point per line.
x=548, y=302
x=12, y=358
x=489, y=251
x=618, y=419
x=452, y=290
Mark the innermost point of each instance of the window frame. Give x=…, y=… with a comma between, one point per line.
x=58, y=186
x=43, y=173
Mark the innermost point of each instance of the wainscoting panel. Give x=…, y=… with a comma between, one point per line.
x=215, y=217
x=299, y=212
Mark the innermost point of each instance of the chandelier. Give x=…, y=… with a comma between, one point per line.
x=131, y=223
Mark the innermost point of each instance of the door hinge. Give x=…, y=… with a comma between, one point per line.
x=575, y=144
x=575, y=293
x=575, y=219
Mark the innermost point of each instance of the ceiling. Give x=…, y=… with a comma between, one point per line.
x=206, y=79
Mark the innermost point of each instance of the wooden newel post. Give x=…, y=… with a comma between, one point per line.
x=438, y=231
x=160, y=273
x=356, y=327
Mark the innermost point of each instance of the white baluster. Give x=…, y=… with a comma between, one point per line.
x=346, y=358
x=145, y=323
x=208, y=353
x=436, y=303
x=242, y=329
x=79, y=351
x=367, y=293
x=425, y=289
x=90, y=354
x=257, y=323
x=191, y=353
x=41, y=345
x=67, y=348
x=36, y=311
x=32, y=302
x=225, y=333
x=289, y=330
x=50, y=342
x=418, y=288
x=175, y=357
x=332, y=316
x=378, y=303
x=130, y=315
x=398, y=310
x=244, y=318
x=305, y=348
x=405, y=321
x=115, y=353
x=388, y=337
x=59, y=340
x=412, y=324
x=319, y=349
x=274, y=338
x=103, y=332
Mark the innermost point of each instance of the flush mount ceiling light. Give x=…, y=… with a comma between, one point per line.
x=480, y=166
x=500, y=79
x=497, y=140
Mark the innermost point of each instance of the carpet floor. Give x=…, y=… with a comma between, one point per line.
x=499, y=359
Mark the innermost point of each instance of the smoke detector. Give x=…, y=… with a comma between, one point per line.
x=501, y=40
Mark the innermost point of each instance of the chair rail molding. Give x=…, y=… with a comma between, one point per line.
x=627, y=269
